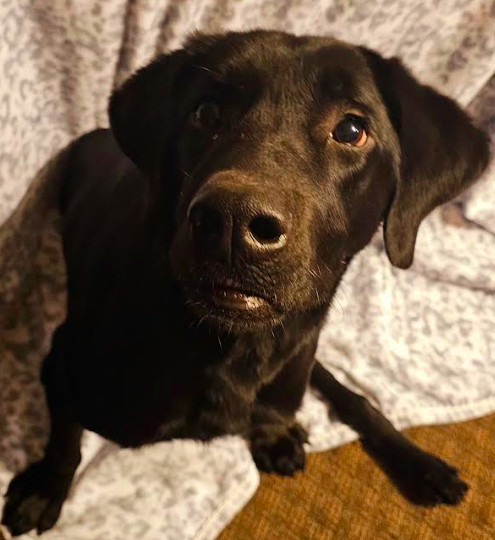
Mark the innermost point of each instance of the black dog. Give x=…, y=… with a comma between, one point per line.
x=202, y=265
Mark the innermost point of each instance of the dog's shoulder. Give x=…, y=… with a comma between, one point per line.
x=95, y=164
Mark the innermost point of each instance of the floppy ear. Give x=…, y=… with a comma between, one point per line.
x=142, y=111
x=442, y=153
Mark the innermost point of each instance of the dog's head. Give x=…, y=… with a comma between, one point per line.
x=279, y=156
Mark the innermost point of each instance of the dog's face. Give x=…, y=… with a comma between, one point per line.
x=278, y=157
x=287, y=159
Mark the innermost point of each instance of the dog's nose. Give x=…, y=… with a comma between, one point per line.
x=266, y=230
x=231, y=221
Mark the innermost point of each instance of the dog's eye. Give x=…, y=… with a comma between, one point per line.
x=350, y=131
x=206, y=115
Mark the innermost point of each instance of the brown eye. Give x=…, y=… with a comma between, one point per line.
x=206, y=115
x=350, y=131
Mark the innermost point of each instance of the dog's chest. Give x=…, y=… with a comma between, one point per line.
x=225, y=398
x=134, y=394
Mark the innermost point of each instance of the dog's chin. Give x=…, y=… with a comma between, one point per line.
x=231, y=310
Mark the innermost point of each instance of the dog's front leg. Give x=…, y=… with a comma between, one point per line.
x=275, y=436
x=35, y=496
x=421, y=477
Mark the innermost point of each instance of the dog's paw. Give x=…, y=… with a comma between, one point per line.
x=423, y=478
x=279, y=448
x=432, y=481
x=34, y=499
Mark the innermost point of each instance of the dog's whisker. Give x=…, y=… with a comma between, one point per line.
x=217, y=75
x=317, y=294
x=185, y=173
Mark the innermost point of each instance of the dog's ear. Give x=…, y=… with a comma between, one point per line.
x=142, y=111
x=442, y=152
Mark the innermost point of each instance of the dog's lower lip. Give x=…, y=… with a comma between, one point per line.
x=229, y=298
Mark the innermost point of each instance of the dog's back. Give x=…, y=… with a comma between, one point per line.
x=102, y=202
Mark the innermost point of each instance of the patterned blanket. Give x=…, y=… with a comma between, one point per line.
x=420, y=344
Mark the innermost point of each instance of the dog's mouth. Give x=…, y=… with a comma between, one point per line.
x=230, y=304
x=234, y=299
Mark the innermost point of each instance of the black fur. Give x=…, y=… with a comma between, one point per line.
x=204, y=247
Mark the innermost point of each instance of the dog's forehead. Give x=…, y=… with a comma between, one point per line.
x=287, y=61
